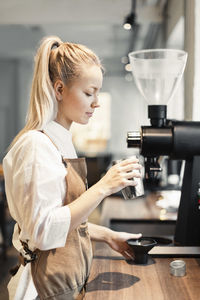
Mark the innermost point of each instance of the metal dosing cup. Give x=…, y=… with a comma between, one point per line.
x=132, y=192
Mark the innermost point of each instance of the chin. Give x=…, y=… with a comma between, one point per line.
x=83, y=122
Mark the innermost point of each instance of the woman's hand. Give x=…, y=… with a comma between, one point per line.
x=117, y=177
x=120, y=175
x=117, y=241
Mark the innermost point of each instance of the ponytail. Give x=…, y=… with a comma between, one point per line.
x=43, y=104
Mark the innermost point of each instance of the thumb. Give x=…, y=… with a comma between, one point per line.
x=134, y=235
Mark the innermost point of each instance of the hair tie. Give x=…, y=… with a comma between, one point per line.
x=55, y=45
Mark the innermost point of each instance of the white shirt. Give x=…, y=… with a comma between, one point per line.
x=35, y=189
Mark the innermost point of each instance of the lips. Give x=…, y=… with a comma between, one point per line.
x=89, y=114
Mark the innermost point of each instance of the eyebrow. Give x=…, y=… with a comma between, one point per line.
x=94, y=87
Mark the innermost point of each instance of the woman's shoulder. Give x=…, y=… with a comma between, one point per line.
x=35, y=144
x=34, y=138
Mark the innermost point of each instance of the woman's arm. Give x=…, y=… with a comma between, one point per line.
x=35, y=189
x=117, y=177
x=116, y=240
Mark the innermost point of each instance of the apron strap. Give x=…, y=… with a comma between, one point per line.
x=28, y=256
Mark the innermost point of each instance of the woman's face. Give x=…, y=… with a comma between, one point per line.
x=78, y=102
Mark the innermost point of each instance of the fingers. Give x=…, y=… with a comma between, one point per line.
x=130, y=183
x=131, y=160
x=131, y=175
x=124, y=236
x=135, y=235
x=122, y=174
x=128, y=252
x=128, y=255
x=130, y=167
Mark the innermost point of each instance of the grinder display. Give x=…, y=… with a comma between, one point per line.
x=157, y=74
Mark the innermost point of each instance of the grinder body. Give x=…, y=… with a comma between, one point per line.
x=178, y=140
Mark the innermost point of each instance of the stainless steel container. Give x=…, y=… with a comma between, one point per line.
x=131, y=192
x=178, y=268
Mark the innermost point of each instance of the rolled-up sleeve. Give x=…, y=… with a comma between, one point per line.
x=37, y=193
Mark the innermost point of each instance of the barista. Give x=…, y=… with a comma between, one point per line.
x=46, y=182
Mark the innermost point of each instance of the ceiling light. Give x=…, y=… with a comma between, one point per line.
x=128, y=68
x=129, y=21
x=127, y=26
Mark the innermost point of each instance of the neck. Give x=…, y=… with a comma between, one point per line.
x=63, y=123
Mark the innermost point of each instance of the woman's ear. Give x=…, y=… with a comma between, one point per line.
x=58, y=88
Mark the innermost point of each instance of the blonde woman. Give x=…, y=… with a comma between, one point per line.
x=46, y=182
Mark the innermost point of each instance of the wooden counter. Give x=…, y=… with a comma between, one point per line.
x=112, y=278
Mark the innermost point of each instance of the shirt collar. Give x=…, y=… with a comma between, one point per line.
x=62, y=137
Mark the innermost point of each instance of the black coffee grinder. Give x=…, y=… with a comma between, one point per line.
x=157, y=74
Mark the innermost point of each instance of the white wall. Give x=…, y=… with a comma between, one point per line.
x=128, y=112
x=25, y=71
x=8, y=103
x=15, y=78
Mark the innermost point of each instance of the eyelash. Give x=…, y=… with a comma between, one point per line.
x=87, y=94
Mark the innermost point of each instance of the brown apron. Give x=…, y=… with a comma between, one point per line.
x=62, y=273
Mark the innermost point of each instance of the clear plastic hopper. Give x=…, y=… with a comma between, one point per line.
x=157, y=73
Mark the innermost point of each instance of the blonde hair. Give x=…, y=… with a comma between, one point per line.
x=54, y=61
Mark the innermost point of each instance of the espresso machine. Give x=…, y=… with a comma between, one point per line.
x=157, y=74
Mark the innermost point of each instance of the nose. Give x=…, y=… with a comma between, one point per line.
x=95, y=103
